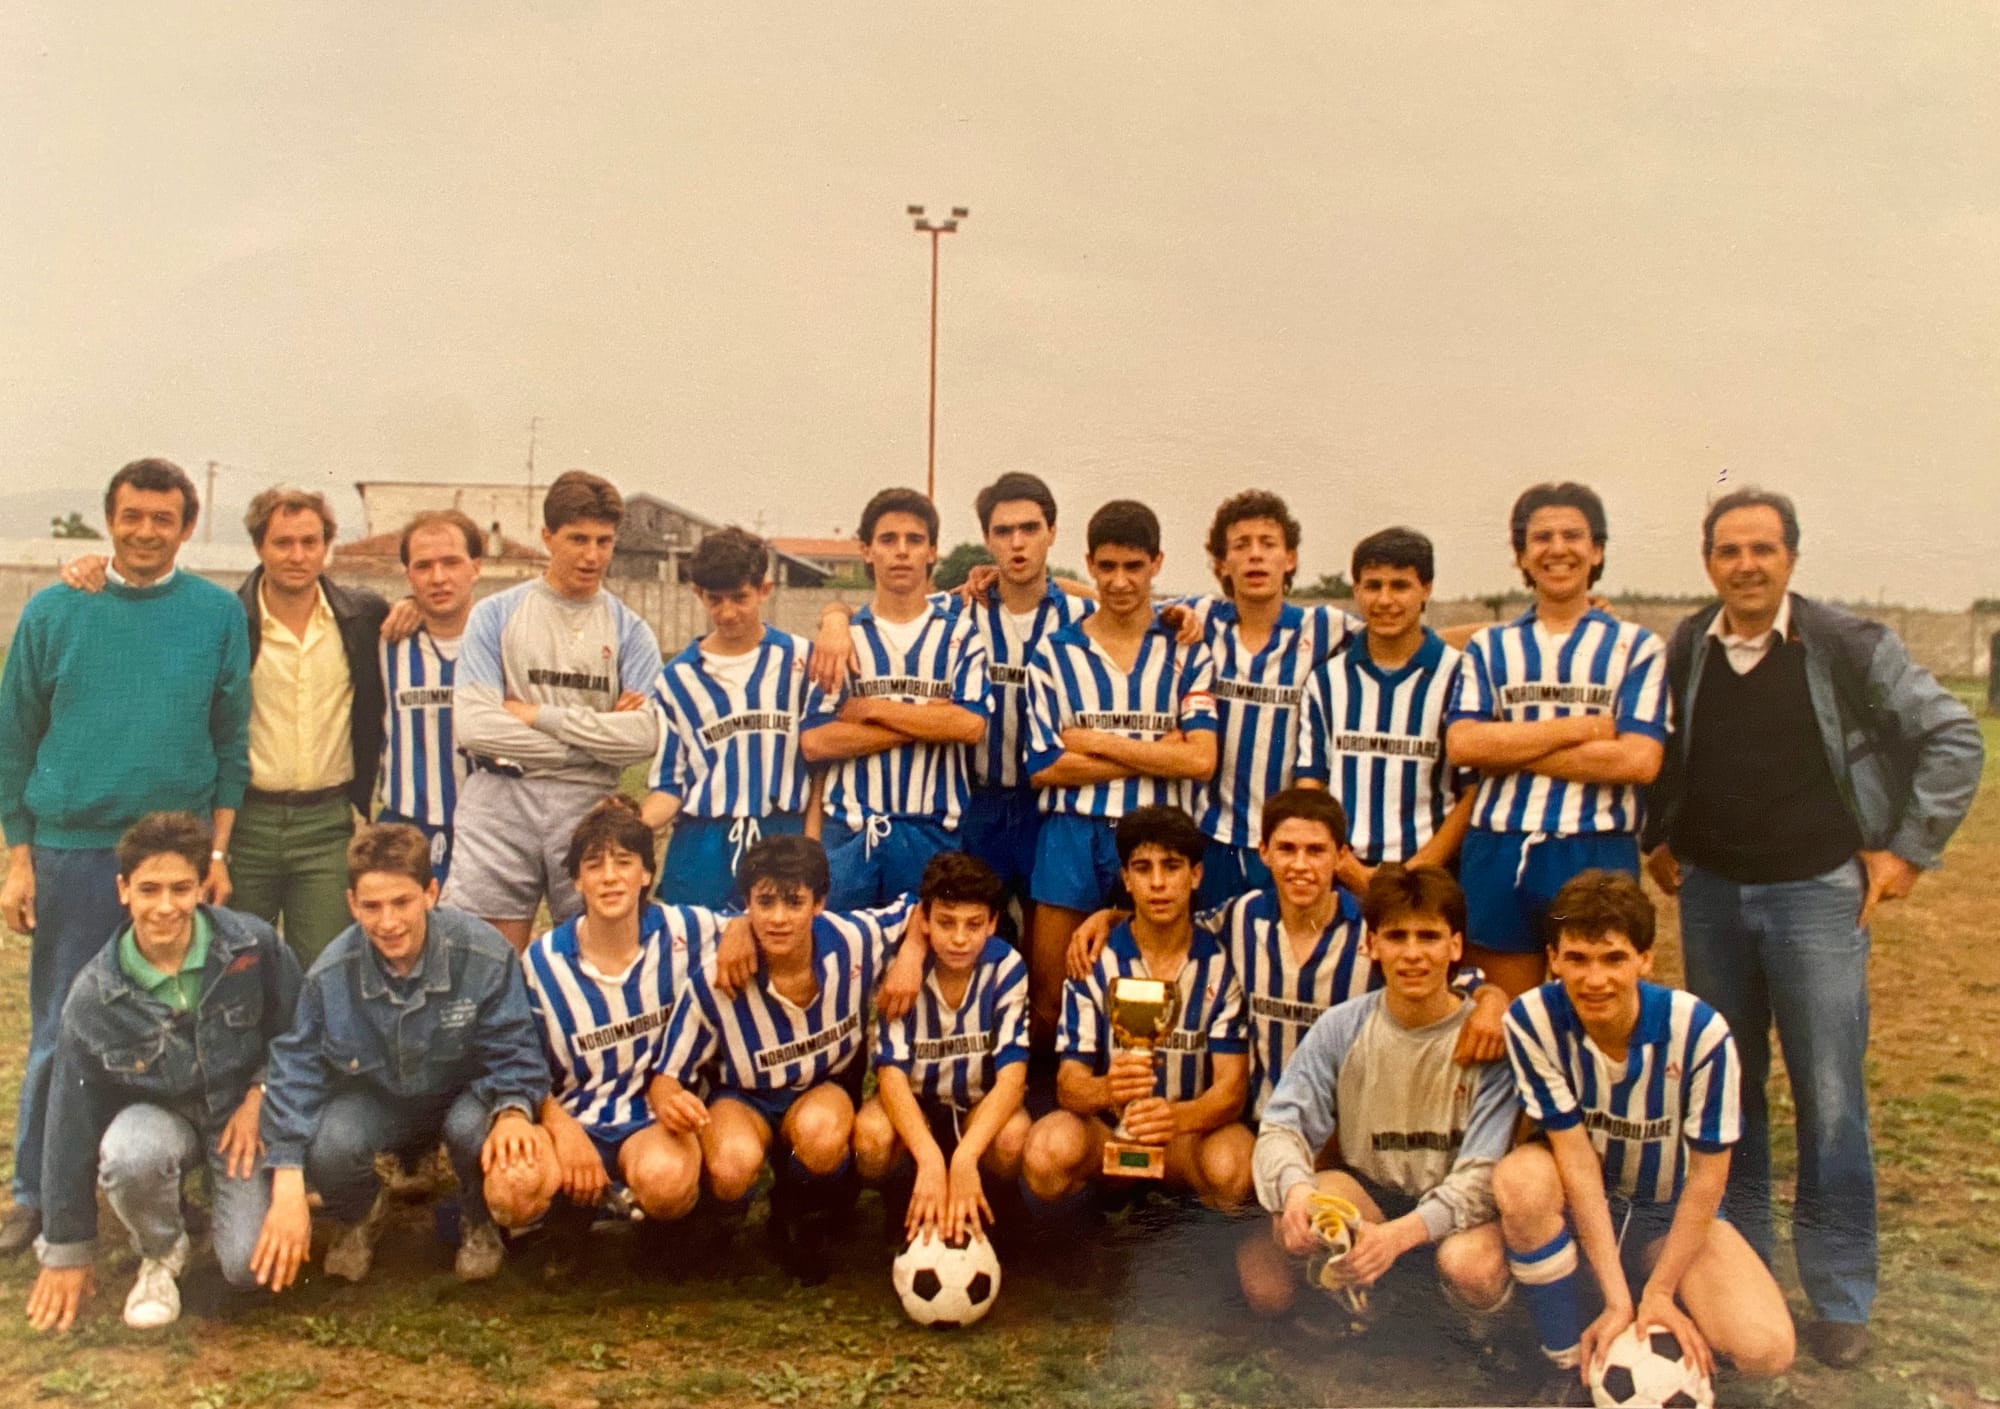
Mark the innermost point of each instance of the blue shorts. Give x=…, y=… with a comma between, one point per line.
x=772, y=1105
x=438, y=837
x=1637, y=1226
x=881, y=861
x=1507, y=892
x=1227, y=872
x=608, y=1141
x=704, y=852
x=1000, y=828
x=1076, y=862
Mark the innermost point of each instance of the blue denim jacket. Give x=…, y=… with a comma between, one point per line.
x=465, y=1027
x=119, y=1046
x=1905, y=754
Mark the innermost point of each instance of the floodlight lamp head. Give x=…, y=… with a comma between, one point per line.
x=959, y=212
x=916, y=210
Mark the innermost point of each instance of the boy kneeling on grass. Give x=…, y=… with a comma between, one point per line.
x=412, y=1027
x=950, y=1074
x=1634, y=1086
x=158, y=1071
x=783, y=1055
x=1418, y=1132
x=1185, y=1093
x=602, y=988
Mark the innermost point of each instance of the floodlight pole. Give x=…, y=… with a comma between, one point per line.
x=934, y=228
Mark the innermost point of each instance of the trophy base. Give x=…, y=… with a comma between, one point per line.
x=1126, y=1160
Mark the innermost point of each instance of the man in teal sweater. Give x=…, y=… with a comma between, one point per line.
x=112, y=705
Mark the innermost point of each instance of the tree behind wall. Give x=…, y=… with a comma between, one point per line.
x=71, y=527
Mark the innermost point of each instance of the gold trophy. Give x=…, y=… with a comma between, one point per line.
x=1142, y=1012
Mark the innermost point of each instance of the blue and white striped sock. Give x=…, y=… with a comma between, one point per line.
x=1547, y=1278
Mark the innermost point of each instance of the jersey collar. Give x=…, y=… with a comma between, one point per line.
x=1202, y=943
x=691, y=653
x=1429, y=651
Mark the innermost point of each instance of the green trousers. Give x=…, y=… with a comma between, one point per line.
x=289, y=866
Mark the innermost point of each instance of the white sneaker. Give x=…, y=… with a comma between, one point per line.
x=155, y=1299
x=352, y=1251
x=479, y=1253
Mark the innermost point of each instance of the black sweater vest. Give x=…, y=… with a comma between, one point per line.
x=1761, y=805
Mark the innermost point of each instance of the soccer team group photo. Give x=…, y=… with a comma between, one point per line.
x=977, y=926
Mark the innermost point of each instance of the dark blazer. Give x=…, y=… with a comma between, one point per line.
x=358, y=613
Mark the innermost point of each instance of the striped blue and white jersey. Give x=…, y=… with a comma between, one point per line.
x=1282, y=995
x=1516, y=672
x=730, y=747
x=1000, y=762
x=1675, y=1090
x=951, y=1054
x=421, y=766
x=603, y=1033
x=1208, y=1023
x=762, y=1041
x=1257, y=697
x=1073, y=683
x=1375, y=738
x=947, y=662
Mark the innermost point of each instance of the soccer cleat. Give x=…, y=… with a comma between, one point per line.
x=155, y=1298
x=479, y=1253
x=352, y=1251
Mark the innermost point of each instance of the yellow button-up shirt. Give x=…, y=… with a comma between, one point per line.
x=301, y=705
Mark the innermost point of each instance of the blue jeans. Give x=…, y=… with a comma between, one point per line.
x=76, y=913
x=146, y=1152
x=1793, y=954
x=359, y=1123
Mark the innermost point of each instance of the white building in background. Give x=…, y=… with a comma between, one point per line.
x=512, y=510
x=653, y=542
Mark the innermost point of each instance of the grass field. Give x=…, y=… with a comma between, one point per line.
x=1146, y=1318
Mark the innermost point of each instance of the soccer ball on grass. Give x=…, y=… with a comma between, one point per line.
x=1649, y=1370
x=946, y=1284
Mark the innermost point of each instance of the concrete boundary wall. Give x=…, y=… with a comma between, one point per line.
x=1944, y=643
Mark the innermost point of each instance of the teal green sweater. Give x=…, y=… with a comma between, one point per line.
x=119, y=703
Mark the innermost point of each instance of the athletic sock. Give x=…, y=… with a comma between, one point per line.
x=1547, y=1277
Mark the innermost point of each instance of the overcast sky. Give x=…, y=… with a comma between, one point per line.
x=1394, y=261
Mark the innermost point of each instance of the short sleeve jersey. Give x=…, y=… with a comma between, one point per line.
x=762, y=1041
x=1208, y=1022
x=918, y=779
x=1675, y=1090
x=1517, y=672
x=730, y=748
x=421, y=768
x=603, y=1033
x=1257, y=697
x=1001, y=760
x=1375, y=738
x=1283, y=996
x=1074, y=683
x=952, y=1052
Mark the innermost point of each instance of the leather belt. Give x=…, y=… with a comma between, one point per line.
x=311, y=797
